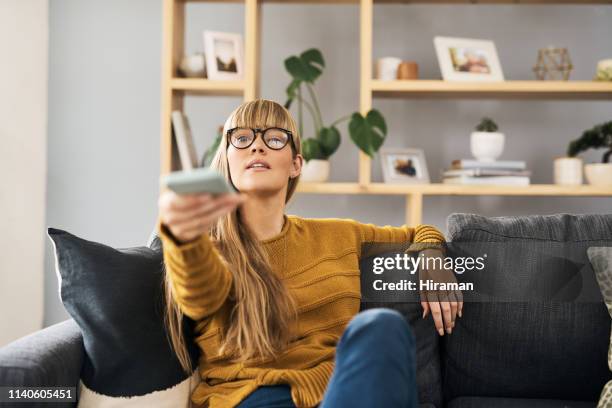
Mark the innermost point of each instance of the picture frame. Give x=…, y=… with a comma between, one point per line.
x=468, y=59
x=224, y=55
x=404, y=165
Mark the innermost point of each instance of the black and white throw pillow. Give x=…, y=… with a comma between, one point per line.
x=116, y=298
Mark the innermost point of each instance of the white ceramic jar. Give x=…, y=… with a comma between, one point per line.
x=568, y=171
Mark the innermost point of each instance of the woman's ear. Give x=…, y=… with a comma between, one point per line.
x=298, y=161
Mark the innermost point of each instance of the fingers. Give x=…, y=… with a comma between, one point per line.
x=206, y=205
x=189, y=215
x=202, y=222
x=176, y=201
x=454, y=305
x=436, y=312
x=444, y=309
x=425, y=307
x=459, y=297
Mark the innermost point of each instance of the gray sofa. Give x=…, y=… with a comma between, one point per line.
x=503, y=354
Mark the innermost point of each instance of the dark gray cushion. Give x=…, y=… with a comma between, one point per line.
x=52, y=356
x=480, y=402
x=545, y=349
x=116, y=298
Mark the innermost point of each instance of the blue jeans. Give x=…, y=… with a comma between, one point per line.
x=375, y=367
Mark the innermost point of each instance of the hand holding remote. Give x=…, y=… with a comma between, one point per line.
x=188, y=216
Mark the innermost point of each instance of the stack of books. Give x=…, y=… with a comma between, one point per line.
x=503, y=172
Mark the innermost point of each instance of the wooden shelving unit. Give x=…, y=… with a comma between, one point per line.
x=174, y=89
x=582, y=90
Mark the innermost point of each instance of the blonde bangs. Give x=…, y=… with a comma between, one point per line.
x=261, y=113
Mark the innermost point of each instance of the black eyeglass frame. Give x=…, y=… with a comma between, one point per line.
x=255, y=132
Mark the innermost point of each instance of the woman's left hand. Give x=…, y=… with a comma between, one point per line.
x=444, y=305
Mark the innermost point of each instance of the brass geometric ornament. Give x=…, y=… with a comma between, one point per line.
x=553, y=64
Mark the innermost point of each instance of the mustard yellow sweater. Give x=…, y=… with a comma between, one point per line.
x=318, y=259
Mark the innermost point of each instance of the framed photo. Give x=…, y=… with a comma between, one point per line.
x=402, y=165
x=224, y=55
x=466, y=59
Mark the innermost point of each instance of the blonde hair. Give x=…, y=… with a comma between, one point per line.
x=262, y=310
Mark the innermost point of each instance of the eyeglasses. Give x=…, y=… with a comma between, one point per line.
x=274, y=137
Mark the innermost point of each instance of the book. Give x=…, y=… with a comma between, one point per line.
x=484, y=172
x=498, y=164
x=184, y=140
x=493, y=180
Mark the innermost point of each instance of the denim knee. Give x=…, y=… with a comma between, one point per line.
x=382, y=323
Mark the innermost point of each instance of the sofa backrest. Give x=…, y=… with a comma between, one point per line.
x=529, y=349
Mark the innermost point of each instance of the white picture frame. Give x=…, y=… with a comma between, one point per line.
x=454, y=55
x=413, y=172
x=224, y=55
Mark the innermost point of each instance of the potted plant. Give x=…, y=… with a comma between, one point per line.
x=367, y=132
x=600, y=136
x=486, y=143
x=212, y=149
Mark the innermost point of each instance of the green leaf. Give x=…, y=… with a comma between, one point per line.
x=487, y=125
x=329, y=140
x=307, y=67
x=311, y=149
x=313, y=60
x=210, y=152
x=368, y=132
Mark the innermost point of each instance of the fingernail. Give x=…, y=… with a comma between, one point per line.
x=449, y=330
x=424, y=313
x=460, y=314
x=441, y=331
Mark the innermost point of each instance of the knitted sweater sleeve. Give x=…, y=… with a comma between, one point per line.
x=201, y=280
x=420, y=236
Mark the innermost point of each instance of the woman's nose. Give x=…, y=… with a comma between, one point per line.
x=258, y=144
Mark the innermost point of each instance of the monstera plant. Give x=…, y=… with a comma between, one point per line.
x=367, y=132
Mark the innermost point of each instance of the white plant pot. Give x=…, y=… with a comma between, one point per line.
x=315, y=171
x=568, y=171
x=599, y=174
x=487, y=146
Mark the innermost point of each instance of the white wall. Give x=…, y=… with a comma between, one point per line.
x=23, y=164
x=105, y=105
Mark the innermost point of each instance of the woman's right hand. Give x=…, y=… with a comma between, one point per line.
x=188, y=216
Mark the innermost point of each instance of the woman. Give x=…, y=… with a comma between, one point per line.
x=276, y=297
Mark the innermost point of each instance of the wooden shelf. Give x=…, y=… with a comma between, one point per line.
x=174, y=90
x=451, y=189
x=208, y=87
x=505, y=89
x=413, y=1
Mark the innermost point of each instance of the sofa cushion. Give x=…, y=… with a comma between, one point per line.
x=529, y=349
x=482, y=402
x=116, y=298
x=601, y=260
